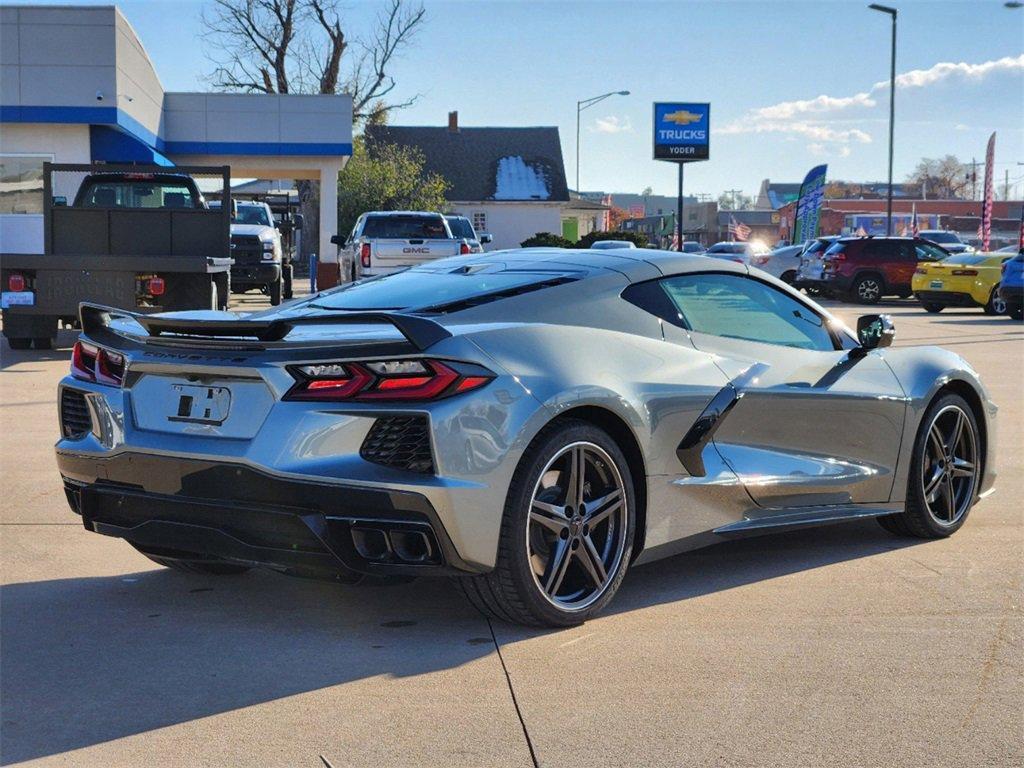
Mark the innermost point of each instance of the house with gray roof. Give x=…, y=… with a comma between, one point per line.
x=509, y=182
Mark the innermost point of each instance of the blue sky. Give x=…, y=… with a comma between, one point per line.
x=527, y=63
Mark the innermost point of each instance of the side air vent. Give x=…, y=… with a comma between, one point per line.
x=74, y=414
x=402, y=442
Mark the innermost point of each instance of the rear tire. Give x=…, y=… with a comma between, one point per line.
x=867, y=289
x=930, y=306
x=788, y=277
x=937, y=515
x=995, y=305
x=548, y=536
x=20, y=343
x=275, y=292
x=44, y=342
x=181, y=561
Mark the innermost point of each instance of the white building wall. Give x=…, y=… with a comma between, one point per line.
x=139, y=92
x=21, y=232
x=511, y=223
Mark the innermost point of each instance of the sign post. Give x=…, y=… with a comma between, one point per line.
x=681, y=135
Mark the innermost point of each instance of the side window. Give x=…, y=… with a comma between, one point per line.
x=738, y=307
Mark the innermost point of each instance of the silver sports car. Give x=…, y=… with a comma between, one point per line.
x=532, y=422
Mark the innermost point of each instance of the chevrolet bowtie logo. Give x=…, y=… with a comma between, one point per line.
x=682, y=117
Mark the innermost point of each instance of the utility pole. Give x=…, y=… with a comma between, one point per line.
x=973, y=178
x=1006, y=186
x=732, y=193
x=892, y=108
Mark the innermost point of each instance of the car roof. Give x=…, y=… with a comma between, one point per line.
x=402, y=213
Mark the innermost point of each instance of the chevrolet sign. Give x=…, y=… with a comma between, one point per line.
x=681, y=131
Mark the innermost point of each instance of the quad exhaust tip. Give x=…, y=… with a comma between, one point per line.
x=393, y=545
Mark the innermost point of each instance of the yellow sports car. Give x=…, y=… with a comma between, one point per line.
x=961, y=280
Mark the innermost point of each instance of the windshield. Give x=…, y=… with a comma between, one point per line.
x=406, y=228
x=461, y=228
x=941, y=237
x=252, y=214
x=413, y=288
x=728, y=248
x=131, y=193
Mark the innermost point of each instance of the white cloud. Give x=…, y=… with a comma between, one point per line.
x=919, y=78
x=612, y=124
x=810, y=118
x=961, y=127
x=815, y=131
x=787, y=109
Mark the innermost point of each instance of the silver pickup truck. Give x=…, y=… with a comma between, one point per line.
x=382, y=242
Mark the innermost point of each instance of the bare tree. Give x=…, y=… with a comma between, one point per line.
x=942, y=177
x=301, y=46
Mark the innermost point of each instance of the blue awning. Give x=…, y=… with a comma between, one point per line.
x=112, y=145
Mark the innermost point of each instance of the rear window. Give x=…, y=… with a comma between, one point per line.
x=461, y=228
x=728, y=248
x=941, y=237
x=406, y=228
x=413, y=288
x=137, y=194
x=963, y=259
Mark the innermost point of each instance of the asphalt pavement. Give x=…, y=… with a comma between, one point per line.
x=838, y=646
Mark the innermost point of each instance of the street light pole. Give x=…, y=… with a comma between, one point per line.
x=892, y=109
x=580, y=106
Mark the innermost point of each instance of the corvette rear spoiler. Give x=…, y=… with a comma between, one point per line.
x=419, y=331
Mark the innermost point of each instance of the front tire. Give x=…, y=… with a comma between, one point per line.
x=275, y=292
x=567, y=531
x=931, y=306
x=945, y=472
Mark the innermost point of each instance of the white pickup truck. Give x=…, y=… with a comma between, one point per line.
x=382, y=242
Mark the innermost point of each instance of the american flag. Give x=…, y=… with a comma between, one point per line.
x=915, y=228
x=675, y=240
x=738, y=230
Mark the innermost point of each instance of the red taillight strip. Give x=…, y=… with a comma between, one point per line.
x=413, y=387
x=362, y=385
x=92, y=363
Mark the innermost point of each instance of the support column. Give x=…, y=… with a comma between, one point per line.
x=328, y=271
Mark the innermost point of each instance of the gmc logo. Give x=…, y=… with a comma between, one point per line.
x=415, y=250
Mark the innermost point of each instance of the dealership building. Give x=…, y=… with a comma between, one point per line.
x=76, y=86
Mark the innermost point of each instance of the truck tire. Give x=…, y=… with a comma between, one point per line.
x=44, y=342
x=274, y=291
x=223, y=282
x=20, y=343
x=287, y=276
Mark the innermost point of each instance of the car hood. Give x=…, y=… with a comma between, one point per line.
x=260, y=230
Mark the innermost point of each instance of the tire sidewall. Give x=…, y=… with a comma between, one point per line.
x=916, y=505
x=517, y=508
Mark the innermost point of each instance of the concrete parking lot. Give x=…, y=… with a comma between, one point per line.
x=840, y=646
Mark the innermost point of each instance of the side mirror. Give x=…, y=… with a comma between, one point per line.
x=875, y=331
x=60, y=201
x=486, y=238
x=337, y=240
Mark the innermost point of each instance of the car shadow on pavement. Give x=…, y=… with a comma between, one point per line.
x=94, y=659
x=11, y=357
x=90, y=660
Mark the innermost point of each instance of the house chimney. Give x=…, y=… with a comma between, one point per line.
x=453, y=122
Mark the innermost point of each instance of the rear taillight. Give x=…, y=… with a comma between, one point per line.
x=965, y=272
x=385, y=380
x=464, y=249
x=92, y=363
x=364, y=255
x=156, y=286
x=920, y=271
x=16, y=282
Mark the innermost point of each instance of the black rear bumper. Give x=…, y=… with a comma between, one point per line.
x=237, y=513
